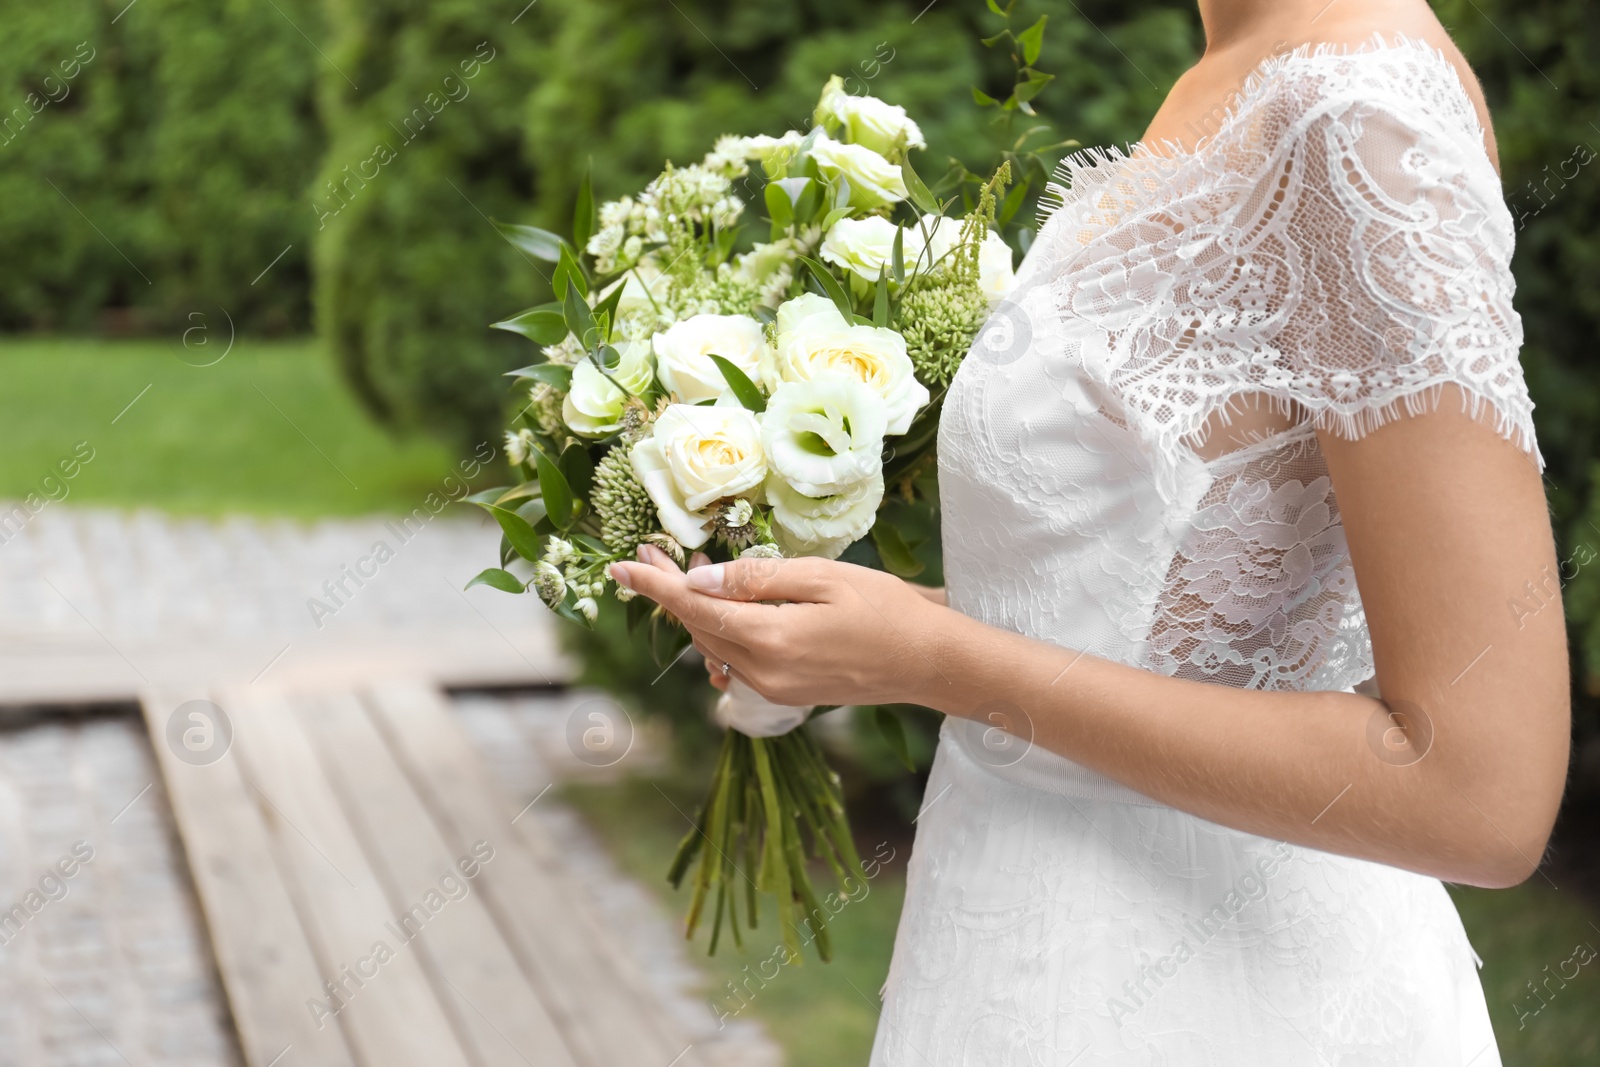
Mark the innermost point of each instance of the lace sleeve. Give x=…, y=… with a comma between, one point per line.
x=1387, y=220
x=1371, y=250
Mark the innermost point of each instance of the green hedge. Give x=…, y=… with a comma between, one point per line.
x=423, y=102
x=166, y=173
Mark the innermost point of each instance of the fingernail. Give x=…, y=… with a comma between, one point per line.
x=643, y=553
x=619, y=574
x=706, y=579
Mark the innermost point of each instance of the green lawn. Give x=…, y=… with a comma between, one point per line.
x=824, y=1015
x=268, y=429
x=1519, y=933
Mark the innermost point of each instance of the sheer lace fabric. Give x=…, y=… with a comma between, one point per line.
x=1340, y=250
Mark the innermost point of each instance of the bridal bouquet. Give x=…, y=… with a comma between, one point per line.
x=698, y=389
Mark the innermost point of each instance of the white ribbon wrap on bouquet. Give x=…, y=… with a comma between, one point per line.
x=742, y=708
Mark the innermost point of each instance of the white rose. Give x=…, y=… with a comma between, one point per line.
x=874, y=181
x=868, y=120
x=814, y=341
x=864, y=247
x=825, y=526
x=694, y=456
x=684, y=351
x=995, y=273
x=593, y=407
x=824, y=436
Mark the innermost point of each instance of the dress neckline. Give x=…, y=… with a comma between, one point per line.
x=1101, y=163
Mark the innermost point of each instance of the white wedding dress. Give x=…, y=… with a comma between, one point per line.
x=1340, y=246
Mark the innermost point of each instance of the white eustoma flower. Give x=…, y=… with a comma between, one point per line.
x=593, y=406
x=684, y=351
x=814, y=341
x=864, y=247
x=823, y=526
x=866, y=120
x=693, y=457
x=995, y=272
x=874, y=181
x=825, y=435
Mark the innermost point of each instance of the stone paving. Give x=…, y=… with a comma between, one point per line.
x=103, y=957
x=100, y=604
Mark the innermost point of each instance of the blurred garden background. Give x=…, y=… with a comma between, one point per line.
x=272, y=221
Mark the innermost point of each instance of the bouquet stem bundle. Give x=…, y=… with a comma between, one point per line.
x=747, y=839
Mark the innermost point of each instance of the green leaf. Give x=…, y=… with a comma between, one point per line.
x=983, y=99
x=897, y=558
x=920, y=196
x=610, y=358
x=518, y=531
x=1031, y=88
x=830, y=286
x=569, y=270
x=496, y=578
x=525, y=491
x=880, y=299
x=834, y=216
x=808, y=203
x=894, y=733
x=543, y=324
x=990, y=42
x=583, y=215
x=578, y=468
x=607, y=308
x=1012, y=202
x=554, y=489
x=743, y=388
x=556, y=374
x=578, y=315
x=1032, y=40
x=997, y=9
x=897, y=256
x=780, y=209
x=593, y=544
x=487, y=496
x=541, y=244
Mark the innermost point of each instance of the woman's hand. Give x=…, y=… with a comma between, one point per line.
x=842, y=635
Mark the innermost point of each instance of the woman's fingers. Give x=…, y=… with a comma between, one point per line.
x=714, y=662
x=666, y=586
x=654, y=557
x=801, y=580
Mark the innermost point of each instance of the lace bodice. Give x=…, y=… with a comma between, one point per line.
x=1340, y=250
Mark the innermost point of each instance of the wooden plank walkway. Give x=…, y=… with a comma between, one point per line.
x=374, y=900
x=371, y=896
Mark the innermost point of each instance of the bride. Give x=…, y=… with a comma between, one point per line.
x=1195, y=794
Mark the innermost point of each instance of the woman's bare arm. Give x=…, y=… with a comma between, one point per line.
x=1457, y=772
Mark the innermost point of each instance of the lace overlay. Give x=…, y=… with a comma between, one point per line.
x=1339, y=251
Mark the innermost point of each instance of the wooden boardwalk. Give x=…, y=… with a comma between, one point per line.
x=371, y=895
